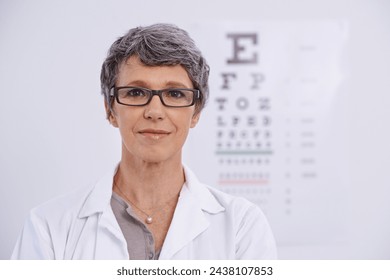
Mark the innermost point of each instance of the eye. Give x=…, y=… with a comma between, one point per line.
x=175, y=93
x=135, y=92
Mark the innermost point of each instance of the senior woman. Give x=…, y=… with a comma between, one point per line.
x=155, y=84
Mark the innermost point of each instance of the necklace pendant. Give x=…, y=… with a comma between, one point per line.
x=149, y=220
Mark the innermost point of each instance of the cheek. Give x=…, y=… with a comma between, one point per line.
x=125, y=121
x=186, y=121
x=186, y=126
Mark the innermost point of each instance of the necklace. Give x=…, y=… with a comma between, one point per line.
x=149, y=217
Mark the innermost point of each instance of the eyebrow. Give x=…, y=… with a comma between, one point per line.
x=175, y=84
x=168, y=84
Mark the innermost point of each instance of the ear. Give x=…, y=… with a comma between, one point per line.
x=194, y=120
x=110, y=115
x=112, y=120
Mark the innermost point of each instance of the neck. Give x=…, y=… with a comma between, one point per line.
x=149, y=184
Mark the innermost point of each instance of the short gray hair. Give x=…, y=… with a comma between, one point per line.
x=157, y=45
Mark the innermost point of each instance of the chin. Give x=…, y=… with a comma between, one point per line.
x=155, y=154
x=155, y=157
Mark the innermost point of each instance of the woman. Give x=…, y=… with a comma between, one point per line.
x=155, y=84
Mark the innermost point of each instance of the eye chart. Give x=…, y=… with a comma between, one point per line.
x=271, y=130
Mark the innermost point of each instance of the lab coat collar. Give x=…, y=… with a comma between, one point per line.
x=189, y=219
x=200, y=192
x=100, y=196
x=97, y=205
x=188, y=222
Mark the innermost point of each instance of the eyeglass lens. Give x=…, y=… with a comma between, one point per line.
x=170, y=97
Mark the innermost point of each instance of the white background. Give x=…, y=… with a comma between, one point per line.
x=54, y=136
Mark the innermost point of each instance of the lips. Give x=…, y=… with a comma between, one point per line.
x=154, y=134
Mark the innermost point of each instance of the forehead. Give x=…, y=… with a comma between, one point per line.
x=133, y=72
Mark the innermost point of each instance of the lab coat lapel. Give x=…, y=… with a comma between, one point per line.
x=188, y=222
x=110, y=242
x=195, y=203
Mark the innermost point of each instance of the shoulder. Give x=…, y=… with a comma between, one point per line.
x=231, y=203
x=213, y=199
x=238, y=217
x=81, y=202
x=66, y=205
x=55, y=225
x=253, y=235
x=244, y=215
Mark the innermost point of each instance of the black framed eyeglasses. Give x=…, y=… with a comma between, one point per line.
x=170, y=97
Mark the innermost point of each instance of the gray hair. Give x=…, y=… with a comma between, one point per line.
x=157, y=45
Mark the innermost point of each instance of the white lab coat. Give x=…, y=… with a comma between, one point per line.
x=207, y=224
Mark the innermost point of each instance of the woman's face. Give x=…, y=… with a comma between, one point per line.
x=152, y=133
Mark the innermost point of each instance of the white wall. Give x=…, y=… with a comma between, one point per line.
x=54, y=136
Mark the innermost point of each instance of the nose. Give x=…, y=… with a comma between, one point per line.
x=155, y=110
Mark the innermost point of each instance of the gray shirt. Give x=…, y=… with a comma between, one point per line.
x=140, y=242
